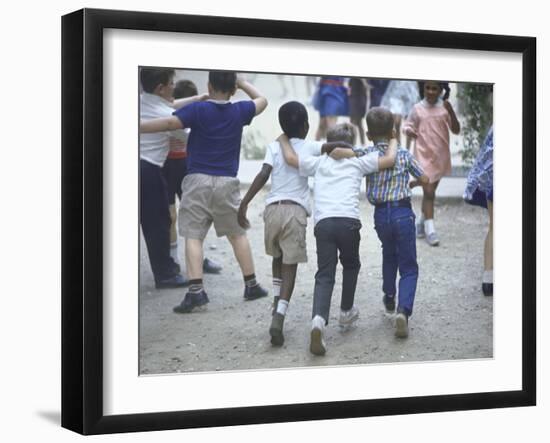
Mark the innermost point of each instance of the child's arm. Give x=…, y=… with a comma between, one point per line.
x=388, y=159
x=160, y=124
x=181, y=102
x=455, y=125
x=259, y=101
x=257, y=184
x=410, y=128
x=289, y=154
x=416, y=171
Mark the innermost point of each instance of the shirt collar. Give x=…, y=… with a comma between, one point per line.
x=218, y=102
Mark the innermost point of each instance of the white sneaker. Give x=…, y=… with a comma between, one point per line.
x=348, y=318
x=433, y=239
x=317, y=344
x=401, y=325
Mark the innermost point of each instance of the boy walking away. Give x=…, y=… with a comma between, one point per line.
x=287, y=208
x=210, y=191
x=337, y=224
x=157, y=101
x=390, y=194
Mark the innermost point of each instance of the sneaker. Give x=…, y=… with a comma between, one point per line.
x=211, y=267
x=401, y=325
x=487, y=289
x=276, y=329
x=192, y=302
x=254, y=292
x=432, y=239
x=317, y=344
x=389, y=303
x=177, y=281
x=348, y=318
x=420, y=232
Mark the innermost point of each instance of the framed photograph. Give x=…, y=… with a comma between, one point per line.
x=177, y=283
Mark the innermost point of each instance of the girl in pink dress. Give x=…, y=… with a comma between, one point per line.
x=429, y=124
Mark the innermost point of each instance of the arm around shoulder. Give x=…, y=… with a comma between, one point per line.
x=388, y=159
x=160, y=124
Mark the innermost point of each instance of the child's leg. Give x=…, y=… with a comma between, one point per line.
x=276, y=266
x=358, y=122
x=488, y=249
x=487, y=282
x=348, y=240
x=243, y=253
x=404, y=235
x=193, y=258
x=327, y=258
x=389, y=256
x=428, y=200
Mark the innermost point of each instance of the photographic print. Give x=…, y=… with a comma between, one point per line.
x=322, y=262
x=253, y=204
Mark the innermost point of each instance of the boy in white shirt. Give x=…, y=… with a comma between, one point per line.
x=287, y=208
x=337, y=224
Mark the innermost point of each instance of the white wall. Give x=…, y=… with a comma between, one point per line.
x=30, y=222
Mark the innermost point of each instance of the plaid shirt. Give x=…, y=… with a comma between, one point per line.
x=392, y=184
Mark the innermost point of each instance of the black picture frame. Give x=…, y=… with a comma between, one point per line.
x=82, y=220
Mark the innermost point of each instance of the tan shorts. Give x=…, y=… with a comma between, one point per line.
x=285, y=232
x=207, y=199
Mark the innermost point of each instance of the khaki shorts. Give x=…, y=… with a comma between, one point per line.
x=207, y=199
x=285, y=232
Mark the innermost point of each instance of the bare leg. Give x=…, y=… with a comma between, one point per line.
x=488, y=250
x=193, y=258
x=325, y=124
x=358, y=122
x=243, y=254
x=397, y=123
x=289, y=278
x=173, y=218
x=428, y=200
x=276, y=265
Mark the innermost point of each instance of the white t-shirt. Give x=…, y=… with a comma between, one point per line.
x=286, y=182
x=337, y=183
x=154, y=147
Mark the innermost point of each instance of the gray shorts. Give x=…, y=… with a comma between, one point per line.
x=207, y=199
x=285, y=232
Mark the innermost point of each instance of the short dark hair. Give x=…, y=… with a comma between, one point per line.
x=292, y=117
x=152, y=77
x=223, y=81
x=443, y=85
x=344, y=132
x=185, y=88
x=379, y=121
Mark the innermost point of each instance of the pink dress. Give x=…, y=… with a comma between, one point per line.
x=432, y=124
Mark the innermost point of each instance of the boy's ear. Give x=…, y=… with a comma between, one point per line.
x=368, y=135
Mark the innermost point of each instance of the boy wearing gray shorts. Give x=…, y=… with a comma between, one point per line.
x=210, y=191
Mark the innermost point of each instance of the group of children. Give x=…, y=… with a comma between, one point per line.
x=210, y=195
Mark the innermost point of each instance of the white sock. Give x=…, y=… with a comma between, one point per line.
x=429, y=226
x=174, y=252
x=318, y=322
x=487, y=276
x=276, y=287
x=282, y=306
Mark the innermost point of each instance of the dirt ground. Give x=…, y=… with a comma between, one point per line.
x=452, y=319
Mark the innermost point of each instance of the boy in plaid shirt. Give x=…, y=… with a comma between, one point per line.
x=389, y=191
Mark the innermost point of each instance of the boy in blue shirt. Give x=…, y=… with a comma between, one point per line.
x=389, y=191
x=211, y=189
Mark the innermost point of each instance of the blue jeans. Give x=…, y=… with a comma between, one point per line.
x=396, y=230
x=336, y=235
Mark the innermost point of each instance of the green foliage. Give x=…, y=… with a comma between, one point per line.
x=252, y=147
x=476, y=104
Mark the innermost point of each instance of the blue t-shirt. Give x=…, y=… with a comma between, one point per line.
x=214, y=143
